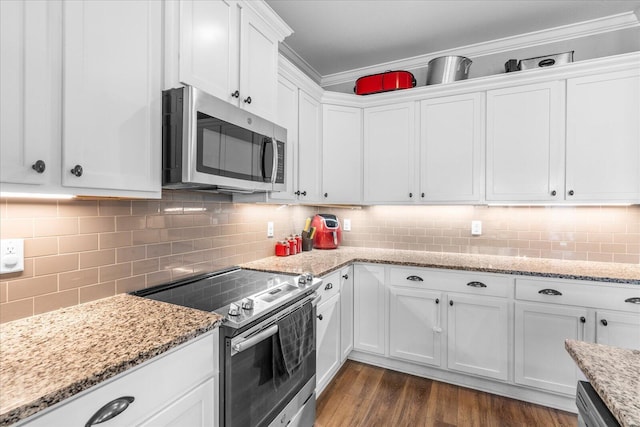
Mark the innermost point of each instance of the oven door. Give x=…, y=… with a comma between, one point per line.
x=253, y=395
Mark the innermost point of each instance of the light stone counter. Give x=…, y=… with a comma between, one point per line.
x=50, y=357
x=320, y=262
x=615, y=375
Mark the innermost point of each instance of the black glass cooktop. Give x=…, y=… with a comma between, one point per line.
x=215, y=291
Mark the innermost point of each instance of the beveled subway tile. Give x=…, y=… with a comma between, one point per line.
x=614, y=248
x=77, y=208
x=601, y=237
x=142, y=237
x=78, y=279
x=99, y=291
x=97, y=258
x=32, y=209
x=626, y=258
x=128, y=223
x=25, y=288
x=114, y=207
x=158, y=221
x=96, y=224
x=633, y=249
x=600, y=257
x=116, y=271
x=631, y=238
x=17, y=228
x=145, y=207
x=130, y=253
x=50, y=302
x=79, y=243
x=115, y=240
x=16, y=310
x=41, y=246
x=182, y=247
x=56, y=264
x=130, y=284
x=158, y=250
x=158, y=278
x=3, y=292
x=55, y=227
x=145, y=266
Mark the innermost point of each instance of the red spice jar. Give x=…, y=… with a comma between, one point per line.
x=293, y=246
x=298, y=242
x=282, y=248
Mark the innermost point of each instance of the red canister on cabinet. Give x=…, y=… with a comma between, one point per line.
x=282, y=248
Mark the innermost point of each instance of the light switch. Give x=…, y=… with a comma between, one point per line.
x=11, y=255
x=270, y=229
x=346, y=224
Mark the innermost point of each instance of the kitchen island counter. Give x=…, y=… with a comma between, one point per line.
x=50, y=357
x=615, y=375
x=321, y=262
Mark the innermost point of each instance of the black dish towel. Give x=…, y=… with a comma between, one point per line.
x=294, y=341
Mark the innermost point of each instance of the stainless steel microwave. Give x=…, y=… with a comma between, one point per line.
x=209, y=144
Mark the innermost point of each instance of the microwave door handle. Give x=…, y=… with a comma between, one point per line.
x=274, y=169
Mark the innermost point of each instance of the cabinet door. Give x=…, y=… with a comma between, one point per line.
x=414, y=325
x=618, y=329
x=525, y=143
x=30, y=85
x=112, y=95
x=341, y=154
x=451, y=142
x=540, y=357
x=389, y=156
x=196, y=409
x=603, y=130
x=478, y=335
x=309, y=148
x=258, y=65
x=327, y=341
x=369, y=318
x=209, y=47
x=346, y=312
x=287, y=117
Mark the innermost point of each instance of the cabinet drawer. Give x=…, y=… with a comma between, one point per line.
x=153, y=385
x=450, y=281
x=584, y=294
x=330, y=286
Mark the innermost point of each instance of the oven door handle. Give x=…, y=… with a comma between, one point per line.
x=250, y=342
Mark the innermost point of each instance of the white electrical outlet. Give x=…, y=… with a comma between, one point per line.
x=11, y=255
x=346, y=224
x=270, y=229
x=476, y=228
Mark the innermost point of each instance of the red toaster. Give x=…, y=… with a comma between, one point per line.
x=328, y=233
x=384, y=82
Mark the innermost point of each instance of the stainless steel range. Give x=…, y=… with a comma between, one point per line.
x=267, y=342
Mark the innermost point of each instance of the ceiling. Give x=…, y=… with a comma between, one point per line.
x=335, y=36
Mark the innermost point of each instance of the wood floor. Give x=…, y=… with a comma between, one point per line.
x=365, y=395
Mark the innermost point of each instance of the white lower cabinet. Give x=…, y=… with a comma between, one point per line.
x=177, y=388
x=478, y=335
x=618, y=329
x=369, y=309
x=346, y=312
x=540, y=357
x=327, y=341
x=415, y=332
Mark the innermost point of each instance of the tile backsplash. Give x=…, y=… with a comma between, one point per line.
x=81, y=250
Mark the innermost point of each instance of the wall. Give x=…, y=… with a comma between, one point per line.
x=81, y=250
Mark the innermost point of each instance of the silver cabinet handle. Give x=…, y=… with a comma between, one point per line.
x=110, y=410
x=549, y=292
x=415, y=278
x=250, y=342
x=476, y=285
x=633, y=300
x=329, y=286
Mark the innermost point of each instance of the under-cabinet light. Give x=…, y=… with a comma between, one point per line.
x=12, y=195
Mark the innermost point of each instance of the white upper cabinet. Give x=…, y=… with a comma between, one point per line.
x=525, y=143
x=389, y=158
x=230, y=49
x=341, y=154
x=287, y=117
x=111, y=115
x=309, y=160
x=451, y=146
x=29, y=83
x=603, y=137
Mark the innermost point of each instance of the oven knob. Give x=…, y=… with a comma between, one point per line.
x=247, y=304
x=234, y=309
x=302, y=281
x=309, y=277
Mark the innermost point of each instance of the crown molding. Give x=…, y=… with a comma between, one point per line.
x=299, y=62
x=566, y=32
x=289, y=71
x=272, y=19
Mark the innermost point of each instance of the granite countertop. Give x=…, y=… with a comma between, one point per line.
x=320, y=262
x=615, y=375
x=50, y=357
